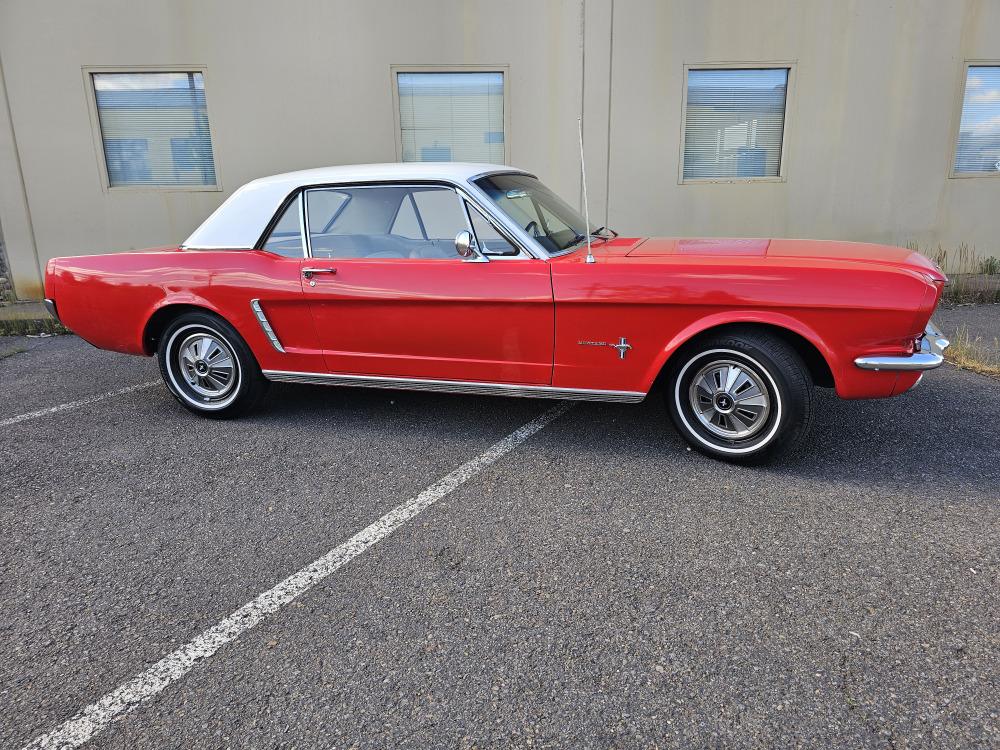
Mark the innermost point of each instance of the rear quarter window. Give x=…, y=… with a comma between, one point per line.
x=286, y=237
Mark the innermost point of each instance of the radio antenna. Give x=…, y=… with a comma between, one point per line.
x=586, y=208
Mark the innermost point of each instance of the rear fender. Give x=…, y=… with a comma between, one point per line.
x=178, y=300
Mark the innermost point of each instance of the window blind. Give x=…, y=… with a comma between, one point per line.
x=978, y=149
x=451, y=116
x=154, y=128
x=734, y=122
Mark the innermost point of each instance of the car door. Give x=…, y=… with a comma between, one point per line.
x=390, y=296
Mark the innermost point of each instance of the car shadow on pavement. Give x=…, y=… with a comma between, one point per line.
x=940, y=434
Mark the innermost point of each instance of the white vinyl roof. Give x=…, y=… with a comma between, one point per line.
x=241, y=219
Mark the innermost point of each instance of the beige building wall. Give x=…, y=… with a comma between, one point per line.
x=288, y=85
x=871, y=123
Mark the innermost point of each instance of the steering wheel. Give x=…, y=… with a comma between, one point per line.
x=534, y=232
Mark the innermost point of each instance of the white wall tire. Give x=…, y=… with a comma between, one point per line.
x=746, y=397
x=208, y=367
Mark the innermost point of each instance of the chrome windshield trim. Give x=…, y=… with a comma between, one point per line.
x=512, y=170
x=456, y=386
x=216, y=247
x=931, y=355
x=265, y=325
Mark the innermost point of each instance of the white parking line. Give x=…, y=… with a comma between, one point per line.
x=92, y=719
x=74, y=404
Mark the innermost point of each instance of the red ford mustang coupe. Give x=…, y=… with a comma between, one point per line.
x=471, y=278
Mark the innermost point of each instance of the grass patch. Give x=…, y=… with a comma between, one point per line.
x=972, y=276
x=30, y=327
x=974, y=354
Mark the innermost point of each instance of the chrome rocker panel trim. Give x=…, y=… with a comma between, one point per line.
x=455, y=386
x=265, y=325
x=931, y=355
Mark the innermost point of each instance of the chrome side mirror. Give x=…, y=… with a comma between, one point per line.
x=464, y=244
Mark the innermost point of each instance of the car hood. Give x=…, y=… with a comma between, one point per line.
x=860, y=252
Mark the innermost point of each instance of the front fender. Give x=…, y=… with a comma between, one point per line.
x=729, y=317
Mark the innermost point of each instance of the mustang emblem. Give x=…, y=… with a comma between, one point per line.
x=622, y=346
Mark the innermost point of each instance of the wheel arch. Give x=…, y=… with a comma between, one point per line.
x=163, y=315
x=814, y=352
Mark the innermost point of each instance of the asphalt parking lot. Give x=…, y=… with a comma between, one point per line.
x=598, y=585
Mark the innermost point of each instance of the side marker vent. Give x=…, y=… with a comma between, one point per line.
x=266, y=325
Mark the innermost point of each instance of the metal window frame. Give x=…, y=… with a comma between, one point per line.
x=788, y=65
x=956, y=128
x=462, y=194
x=90, y=90
x=469, y=207
x=504, y=70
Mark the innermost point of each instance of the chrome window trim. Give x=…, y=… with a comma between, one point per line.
x=521, y=252
x=456, y=386
x=265, y=325
x=297, y=195
x=514, y=230
x=223, y=247
x=501, y=171
x=478, y=256
x=304, y=218
x=306, y=247
x=529, y=248
x=469, y=192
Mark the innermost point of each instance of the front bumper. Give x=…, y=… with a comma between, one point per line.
x=931, y=355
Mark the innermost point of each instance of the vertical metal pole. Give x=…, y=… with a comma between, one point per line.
x=586, y=208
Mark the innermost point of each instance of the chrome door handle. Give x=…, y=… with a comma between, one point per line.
x=308, y=272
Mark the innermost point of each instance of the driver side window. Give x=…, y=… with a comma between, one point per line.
x=384, y=222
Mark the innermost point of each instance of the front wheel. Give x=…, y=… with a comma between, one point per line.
x=745, y=397
x=208, y=366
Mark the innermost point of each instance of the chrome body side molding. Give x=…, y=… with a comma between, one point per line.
x=931, y=355
x=265, y=325
x=456, y=386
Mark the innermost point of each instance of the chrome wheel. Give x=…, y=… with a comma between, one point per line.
x=729, y=399
x=208, y=366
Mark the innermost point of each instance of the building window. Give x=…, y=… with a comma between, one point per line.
x=978, y=149
x=154, y=129
x=451, y=116
x=734, y=121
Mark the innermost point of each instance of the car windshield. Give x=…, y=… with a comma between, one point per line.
x=555, y=224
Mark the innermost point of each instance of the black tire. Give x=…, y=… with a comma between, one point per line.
x=207, y=342
x=781, y=418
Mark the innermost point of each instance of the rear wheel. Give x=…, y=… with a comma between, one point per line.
x=208, y=367
x=745, y=397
